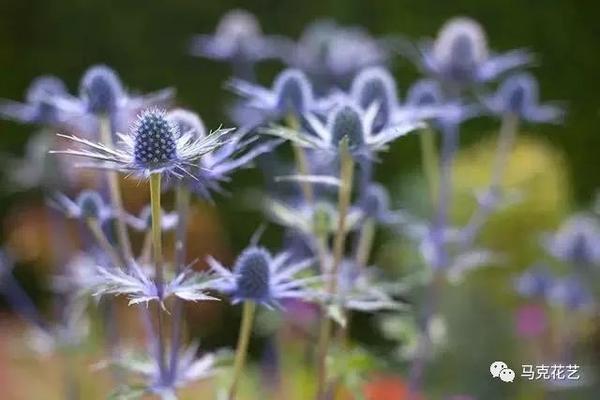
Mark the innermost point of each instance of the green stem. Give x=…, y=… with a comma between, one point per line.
x=115, y=192
x=155, y=180
x=301, y=161
x=242, y=346
x=339, y=241
x=429, y=162
x=365, y=242
x=103, y=242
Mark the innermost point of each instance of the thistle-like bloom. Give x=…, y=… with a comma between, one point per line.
x=189, y=369
x=333, y=54
x=291, y=94
x=88, y=205
x=425, y=100
x=535, y=282
x=576, y=242
x=143, y=221
x=238, y=39
x=571, y=293
x=39, y=107
x=215, y=167
x=259, y=277
x=138, y=285
x=460, y=55
x=102, y=94
x=518, y=95
x=359, y=290
x=154, y=145
x=309, y=219
x=347, y=121
x=375, y=204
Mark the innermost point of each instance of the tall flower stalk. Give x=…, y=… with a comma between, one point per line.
x=241, y=350
x=344, y=199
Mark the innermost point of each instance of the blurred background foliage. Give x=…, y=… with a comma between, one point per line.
x=146, y=42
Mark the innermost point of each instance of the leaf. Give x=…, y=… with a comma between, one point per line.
x=133, y=392
x=336, y=313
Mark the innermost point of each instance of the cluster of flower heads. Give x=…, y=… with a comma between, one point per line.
x=337, y=104
x=576, y=245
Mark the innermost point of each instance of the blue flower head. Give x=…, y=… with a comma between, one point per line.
x=571, y=293
x=534, y=282
x=518, y=95
x=239, y=40
x=349, y=121
x=262, y=278
x=375, y=85
x=102, y=90
x=291, y=93
x=153, y=145
x=460, y=55
x=187, y=121
x=88, y=205
x=333, y=54
x=39, y=107
x=576, y=242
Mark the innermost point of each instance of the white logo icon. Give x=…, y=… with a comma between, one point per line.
x=499, y=369
x=507, y=375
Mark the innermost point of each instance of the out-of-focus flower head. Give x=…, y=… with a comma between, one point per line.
x=290, y=95
x=153, y=145
x=518, y=95
x=346, y=121
x=460, y=55
x=138, y=285
x=238, y=39
x=571, y=293
x=215, y=167
x=39, y=107
x=426, y=100
x=534, y=282
x=332, y=54
x=358, y=289
x=259, y=277
x=576, y=242
x=88, y=205
x=189, y=369
x=102, y=94
x=143, y=221
x=375, y=204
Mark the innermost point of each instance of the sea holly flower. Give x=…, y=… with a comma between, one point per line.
x=576, y=242
x=214, y=167
x=518, y=95
x=310, y=219
x=102, y=94
x=262, y=278
x=571, y=293
x=333, y=54
x=238, y=39
x=143, y=221
x=39, y=107
x=460, y=55
x=425, y=100
x=153, y=145
x=358, y=289
x=189, y=369
x=291, y=94
x=346, y=121
x=534, y=282
x=140, y=287
x=88, y=205
x=375, y=204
